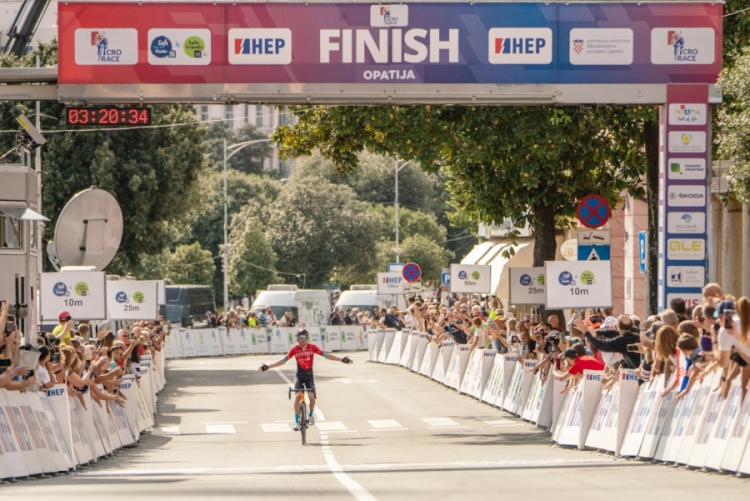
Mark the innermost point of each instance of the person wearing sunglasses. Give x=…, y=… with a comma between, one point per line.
x=304, y=352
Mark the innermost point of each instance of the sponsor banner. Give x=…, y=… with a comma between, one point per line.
x=686, y=276
x=390, y=283
x=690, y=114
x=682, y=141
x=179, y=47
x=683, y=46
x=578, y=284
x=686, y=222
x=686, y=248
x=436, y=43
x=688, y=169
x=601, y=46
x=468, y=278
x=132, y=300
x=686, y=196
x=691, y=300
x=527, y=285
x=81, y=293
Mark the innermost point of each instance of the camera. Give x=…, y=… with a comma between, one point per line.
x=728, y=322
x=4, y=364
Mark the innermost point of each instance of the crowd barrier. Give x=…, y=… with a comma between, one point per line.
x=49, y=433
x=700, y=430
x=219, y=341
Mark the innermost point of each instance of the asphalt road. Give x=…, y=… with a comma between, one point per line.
x=224, y=432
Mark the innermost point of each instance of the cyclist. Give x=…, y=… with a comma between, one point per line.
x=304, y=352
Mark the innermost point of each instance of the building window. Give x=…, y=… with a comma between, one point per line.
x=204, y=113
x=10, y=233
x=247, y=113
x=229, y=112
x=283, y=118
x=259, y=115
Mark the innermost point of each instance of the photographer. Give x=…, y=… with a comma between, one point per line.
x=622, y=341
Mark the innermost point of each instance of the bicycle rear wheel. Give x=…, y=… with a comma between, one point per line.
x=303, y=422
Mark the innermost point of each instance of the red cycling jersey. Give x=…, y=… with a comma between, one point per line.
x=304, y=355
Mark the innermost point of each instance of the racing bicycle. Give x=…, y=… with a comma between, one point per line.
x=304, y=420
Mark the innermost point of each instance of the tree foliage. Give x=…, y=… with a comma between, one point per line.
x=187, y=265
x=320, y=229
x=249, y=160
x=251, y=258
x=734, y=120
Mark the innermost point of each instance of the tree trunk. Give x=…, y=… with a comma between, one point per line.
x=545, y=247
x=651, y=129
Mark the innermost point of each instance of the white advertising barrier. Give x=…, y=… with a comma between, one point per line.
x=641, y=416
x=661, y=413
x=616, y=420
x=188, y=340
x=173, y=345
x=738, y=439
x=121, y=423
x=352, y=337
x=372, y=337
x=81, y=445
x=101, y=423
x=255, y=340
x=229, y=343
x=549, y=402
x=87, y=420
x=526, y=285
x=409, y=348
x=499, y=379
x=399, y=342
x=419, y=352
x=577, y=423
x=202, y=342
x=558, y=404
x=744, y=466
x=693, y=426
x=32, y=429
x=709, y=419
x=377, y=338
x=82, y=293
x=15, y=466
x=520, y=387
x=534, y=398
x=470, y=278
x=445, y=354
x=50, y=431
x=132, y=300
x=595, y=437
x=332, y=337
x=59, y=407
x=477, y=373
x=718, y=442
x=127, y=390
x=28, y=455
x=146, y=419
x=147, y=388
x=429, y=359
x=454, y=376
x=214, y=341
x=282, y=339
x=578, y=284
x=361, y=336
x=385, y=349
x=674, y=433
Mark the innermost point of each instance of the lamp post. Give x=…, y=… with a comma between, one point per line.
x=237, y=147
x=397, y=169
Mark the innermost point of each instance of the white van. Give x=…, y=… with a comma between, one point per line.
x=366, y=297
x=309, y=306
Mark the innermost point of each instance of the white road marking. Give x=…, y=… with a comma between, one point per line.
x=167, y=430
x=275, y=427
x=439, y=422
x=219, y=428
x=354, y=488
x=330, y=426
x=227, y=422
x=382, y=424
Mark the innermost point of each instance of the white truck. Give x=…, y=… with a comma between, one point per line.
x=309, y=306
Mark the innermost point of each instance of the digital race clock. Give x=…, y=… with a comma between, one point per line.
x=107, y=116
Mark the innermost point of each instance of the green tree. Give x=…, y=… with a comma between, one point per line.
x=249, y=161
x=189, y=265
x=251, y=258
x=529, y=164
x=410, y=223
x=321, y=230
x=734, y=120
x=430, y=256
x=152, y=172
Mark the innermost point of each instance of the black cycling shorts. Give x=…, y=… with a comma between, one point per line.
x=306, y=378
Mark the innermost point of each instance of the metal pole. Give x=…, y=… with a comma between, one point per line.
x=226, y=225
x=395, y=207
x=33, y=281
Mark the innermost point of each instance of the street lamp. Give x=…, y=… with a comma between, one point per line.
x=397, y=169
x=237, y=147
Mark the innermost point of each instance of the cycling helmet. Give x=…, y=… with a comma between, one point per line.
x=302, y=332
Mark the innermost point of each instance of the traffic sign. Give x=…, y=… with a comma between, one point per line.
x=411, y=272
x=395, y=267
x=593, y=211
x=594, y=252
x=594, y=237
x=642, y=250
x=445, y=278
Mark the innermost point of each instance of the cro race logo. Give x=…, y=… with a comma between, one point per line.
x=681, y=53
x=104, y=53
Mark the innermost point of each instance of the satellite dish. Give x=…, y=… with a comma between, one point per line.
x=88, y=231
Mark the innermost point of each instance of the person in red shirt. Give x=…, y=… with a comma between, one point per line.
x=303, y=352
x=578, y=362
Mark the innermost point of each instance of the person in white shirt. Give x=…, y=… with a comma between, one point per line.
x=478, y=340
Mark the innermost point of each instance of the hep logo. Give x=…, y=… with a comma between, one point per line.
x=519, y=45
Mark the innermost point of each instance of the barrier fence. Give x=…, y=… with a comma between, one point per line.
x=700, y=430
x=49, y=433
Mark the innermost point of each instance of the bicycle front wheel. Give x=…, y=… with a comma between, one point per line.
x=303, y=422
